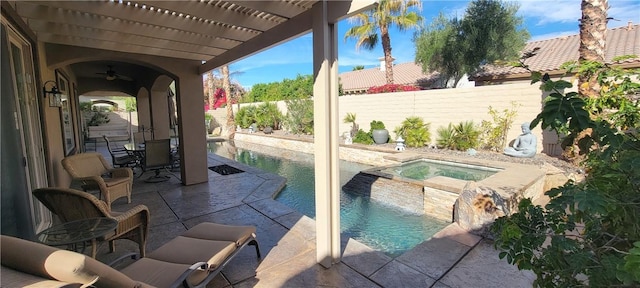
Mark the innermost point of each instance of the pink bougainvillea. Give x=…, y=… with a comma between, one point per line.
x=220, y=98
x=392, y=88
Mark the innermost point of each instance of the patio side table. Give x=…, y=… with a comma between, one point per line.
x=78, y=232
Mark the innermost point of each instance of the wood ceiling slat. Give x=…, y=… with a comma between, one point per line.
x=279, y=8
x=104, y=35
x=117, y=25
x=295, y=27
x=119, y=46
x=143, y=16
x=218, y=14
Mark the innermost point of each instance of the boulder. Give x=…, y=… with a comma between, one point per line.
x=477, y=207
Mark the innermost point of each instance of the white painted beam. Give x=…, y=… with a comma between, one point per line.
x=325, y=99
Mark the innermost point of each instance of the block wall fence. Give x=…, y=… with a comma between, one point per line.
x=441, y=107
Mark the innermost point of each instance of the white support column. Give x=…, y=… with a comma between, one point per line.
x=325, y=99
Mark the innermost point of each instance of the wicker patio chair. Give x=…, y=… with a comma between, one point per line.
x=71, y=205
x=95, y=173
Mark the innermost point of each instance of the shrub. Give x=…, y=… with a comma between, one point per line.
x=587, y=235
x=463, y=136
x=299, y=118
x=414, y=131
x=98, y=118
x=376, y=125
x=351, y=118
x=246, y=116
x=363, y=137
x=387, y=88
x=268, y=115
x=494, y=134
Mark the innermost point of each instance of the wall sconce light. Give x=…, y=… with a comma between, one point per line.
x=55, y=98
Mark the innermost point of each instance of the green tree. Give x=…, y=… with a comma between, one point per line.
x=436, y=49
x=387, y=13
x=358, y=67
x=287, y=89
x=489, y=31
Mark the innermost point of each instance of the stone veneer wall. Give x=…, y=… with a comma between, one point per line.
x=439, y=203
x=361, y=154
x=405, y=195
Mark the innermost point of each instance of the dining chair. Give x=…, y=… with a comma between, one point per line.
x=157, y=156
x=119, y=156
x=141, y=137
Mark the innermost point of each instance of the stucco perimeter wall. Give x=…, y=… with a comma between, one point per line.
x=441, y=107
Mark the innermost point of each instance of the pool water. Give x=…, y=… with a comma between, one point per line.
x=425, y=169
x=379, y=226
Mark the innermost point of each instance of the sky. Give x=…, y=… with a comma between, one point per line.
x=543, y=19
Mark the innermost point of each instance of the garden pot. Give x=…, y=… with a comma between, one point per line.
x=380, y=136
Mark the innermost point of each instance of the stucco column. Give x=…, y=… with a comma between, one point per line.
x=325, y=99
x=143, y=103
x=160, y=114
x=193, y=141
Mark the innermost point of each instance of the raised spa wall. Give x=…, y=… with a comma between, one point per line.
x=478, y=202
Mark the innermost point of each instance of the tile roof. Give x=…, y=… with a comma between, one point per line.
x=408, y=73
x=554, y=52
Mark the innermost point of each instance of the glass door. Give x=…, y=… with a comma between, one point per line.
x=28, y=123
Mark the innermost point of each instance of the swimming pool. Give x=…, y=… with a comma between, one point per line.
x=424, y=169
x=380, y=226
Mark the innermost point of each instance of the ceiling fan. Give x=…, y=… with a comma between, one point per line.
x=110, y=75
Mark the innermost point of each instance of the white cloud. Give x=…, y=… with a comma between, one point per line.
x=545, y=12
x=563, y=11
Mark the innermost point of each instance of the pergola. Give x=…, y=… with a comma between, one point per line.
x=155, y=43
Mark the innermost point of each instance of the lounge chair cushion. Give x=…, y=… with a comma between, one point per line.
x=220, y=232
x=186, y=250
x=45, y=261
x=60, y=265
x=160, y=274
x=13, y=278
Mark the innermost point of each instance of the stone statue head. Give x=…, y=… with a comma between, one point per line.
x=525, y=127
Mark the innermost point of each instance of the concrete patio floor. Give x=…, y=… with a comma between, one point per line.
x=451, y=258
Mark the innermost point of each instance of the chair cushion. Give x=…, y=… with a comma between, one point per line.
x=220, y=232
x=188, y=251
x=160, y=274
x=113, y=181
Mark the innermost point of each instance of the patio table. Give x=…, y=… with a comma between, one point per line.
x=78, y=232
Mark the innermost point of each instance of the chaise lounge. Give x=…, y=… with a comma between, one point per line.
x=192, y=259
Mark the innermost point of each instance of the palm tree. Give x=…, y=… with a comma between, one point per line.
x=384, y=15
x=226, y=85
x=593, y=28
